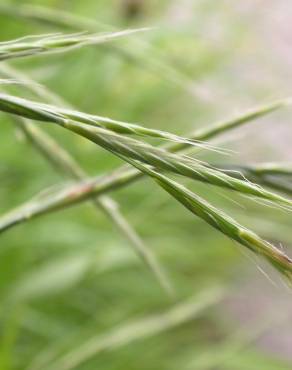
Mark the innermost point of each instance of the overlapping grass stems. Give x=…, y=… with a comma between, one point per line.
x=136, y=153
x=66, y=20
x=276, y=176
x=129, y=147
x=62, y=161
x=110, y=135
x=221, y=221
x=58, y=355
x=104, y=122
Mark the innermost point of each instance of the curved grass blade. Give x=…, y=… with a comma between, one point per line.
x=98, y=186
x=119, y=127
x=134, y=149
x=168, y=162
x=68, y=196
x=221, y=127
x=222, y=222
x=122, y=127
x=63, y=162
x=194, y=203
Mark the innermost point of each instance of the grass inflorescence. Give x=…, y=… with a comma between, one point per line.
x=59, y=158
x=138, y=150
x=72, y=297
x=156, y=162
x=135, y=152
x=35, y=45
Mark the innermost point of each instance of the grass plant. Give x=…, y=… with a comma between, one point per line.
x=72, y=296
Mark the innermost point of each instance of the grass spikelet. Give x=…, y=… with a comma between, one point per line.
x=222, y=222
x=87, y=288
x=63, y=162
x=197, y=205
x=134, y=149
x=119, y=127
x=148, y=56
x=57, y=43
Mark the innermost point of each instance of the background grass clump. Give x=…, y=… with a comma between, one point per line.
x=75, y=293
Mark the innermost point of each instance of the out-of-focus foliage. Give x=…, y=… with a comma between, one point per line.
x=70, y=276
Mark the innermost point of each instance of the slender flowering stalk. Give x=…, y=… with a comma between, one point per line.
x=119, y=127
x=165, y=161
x=63, y=162
x=36, y=88
x=63, y=198
x=221, y=221
x=218, y=128
x=76, y=193
x=203, y=134
x=121, y=177
x=115, y=144
x=30, y=45
x=130, y=148
x=143, y=159
x=143, y=54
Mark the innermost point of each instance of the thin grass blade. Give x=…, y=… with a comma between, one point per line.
x=44, y=44
x=222, y=222
x=63, y=162
x=134, y=149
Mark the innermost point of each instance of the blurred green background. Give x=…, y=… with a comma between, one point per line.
x=70, y=276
